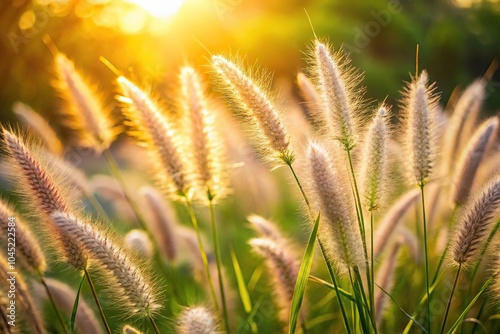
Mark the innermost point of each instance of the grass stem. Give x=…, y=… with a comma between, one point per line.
x=51, y=298
x=421, y=185
x=450, y=299
x=96, y=299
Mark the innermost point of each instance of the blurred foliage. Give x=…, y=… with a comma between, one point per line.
x=456, y=44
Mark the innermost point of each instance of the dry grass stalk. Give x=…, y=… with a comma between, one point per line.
x=139, y=295
x=207, y=146
x=26, y=244
x=83, y=109
x=471, y=158
x=154, y=130
x=420, y=108
x=250, y=95
x=475, y=223
x=197, y=320
x=37, y=124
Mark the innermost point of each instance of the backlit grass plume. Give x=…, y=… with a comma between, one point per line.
x=131, y=283
x=27, y=246
x=475, y=223
x=470, y=159
x=337, y=211
x=197, y=320
x=38, y=125
x=42, y=193
x=374, y=162
x=282, y=267
x=83, y=110
x=420, y=110
x=152, y=128
x=24, y=304
x=340, y=100
x=249, y=93
x=207, y=146
x=312, y=99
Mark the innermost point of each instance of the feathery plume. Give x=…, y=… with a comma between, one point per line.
x=471, y=158
x=385, y=279
x=206, y=145
x=283, y=269
x=162, y=222
x=153, y=129
x=462, y=122
x=26, y=244
x=336, y=85
x=37, y=124
x=197, y=320
x=42, y=193
x=337, y=213
x=265, y=228
x=374, y=164
x=420, y=108
x=131, y=282
x=64, y=297
x=137, y=241
x=83, y=109
x=23, y=297
x=312, y=100
x=475, y=223
x=391, y=219
x=249, y=94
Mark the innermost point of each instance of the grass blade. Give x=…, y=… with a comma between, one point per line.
x=302, y=278
x=75, y=307
x=245, y=296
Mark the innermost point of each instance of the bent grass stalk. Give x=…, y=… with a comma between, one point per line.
x=97, y=302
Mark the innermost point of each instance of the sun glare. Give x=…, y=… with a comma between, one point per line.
x=159, y=8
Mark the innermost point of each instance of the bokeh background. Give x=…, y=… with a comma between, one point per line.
x=458, y=40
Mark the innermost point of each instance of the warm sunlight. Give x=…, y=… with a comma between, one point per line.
x=159, y=8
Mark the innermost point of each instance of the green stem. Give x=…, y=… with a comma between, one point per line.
x=99, y=307
x=421, y=185
x=451, y=223
x=218, y=260
x=153, y=323
x=51, y=298
x=372, y=282
x=450, y=299
x=323, y=251
x=96, y=205
x=203, y=254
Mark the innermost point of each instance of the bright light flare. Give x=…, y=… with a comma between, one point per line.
x=159, y=8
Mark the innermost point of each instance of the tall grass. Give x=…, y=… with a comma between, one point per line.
x=394, y=257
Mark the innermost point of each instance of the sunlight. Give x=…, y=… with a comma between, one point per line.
x=159, y=8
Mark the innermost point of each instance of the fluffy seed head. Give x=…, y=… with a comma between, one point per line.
x=26, y=244
x=374, y=164
x=43, y=194
x=282, y=268
x=137, y=241
x=336, y=87
x=314, y=113
x=254, y=102
x=420, y=107
x=391, y=219
x=265, y=228
x=153, y=129
x=138, y=294
x=38, y=125
x=25, y=305
x=162, y=222
x=83, y=109
x=471, y=158
x=475, y=224
x=462, y=122
x=206, y=143
x=337, y=211
x=197, y=320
